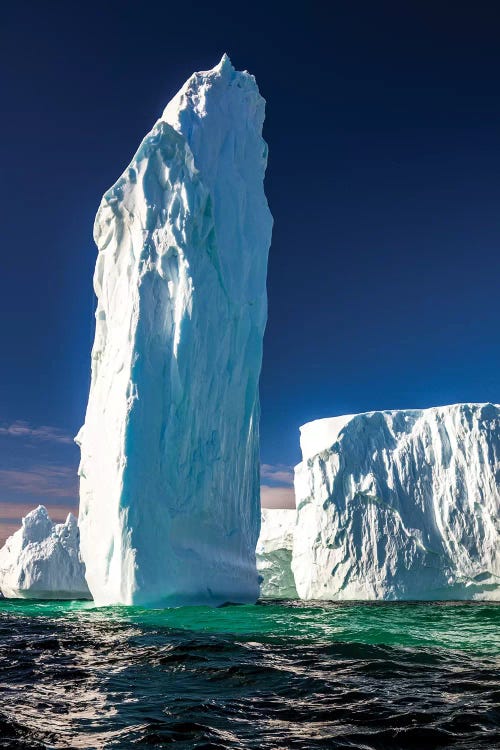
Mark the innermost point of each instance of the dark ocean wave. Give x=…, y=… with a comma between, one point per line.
x=270, y=676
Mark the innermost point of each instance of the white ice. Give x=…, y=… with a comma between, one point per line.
x=41, y=560
x=169, y=473
x=274, y=553
x=400, y=505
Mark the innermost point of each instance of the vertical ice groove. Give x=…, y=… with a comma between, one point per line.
x=169, y=480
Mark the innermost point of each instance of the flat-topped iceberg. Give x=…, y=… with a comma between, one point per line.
x=400, y=505
x=169, y=473
x=42, y=560
x=274, y=553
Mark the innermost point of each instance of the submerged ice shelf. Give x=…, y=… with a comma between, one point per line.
x=41, y=560
x=169, y=475
x=400, y=505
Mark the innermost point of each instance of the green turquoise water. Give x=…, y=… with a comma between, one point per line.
x=272, y=675
x=464, y=626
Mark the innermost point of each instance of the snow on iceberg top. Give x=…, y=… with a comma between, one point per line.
x=321, y=434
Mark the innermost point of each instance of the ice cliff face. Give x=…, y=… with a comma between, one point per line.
x=274, y=553
x=42, y=561
x=169, y=493
x=400, y=505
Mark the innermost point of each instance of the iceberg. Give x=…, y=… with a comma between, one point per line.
x=169, y=471
x=400, y=505
x=274, y=553
x=41, y=560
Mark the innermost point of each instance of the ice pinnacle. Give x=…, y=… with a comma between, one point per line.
x=169, y=473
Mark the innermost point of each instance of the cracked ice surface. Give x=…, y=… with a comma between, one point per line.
x=169, y=493
x=400, y=505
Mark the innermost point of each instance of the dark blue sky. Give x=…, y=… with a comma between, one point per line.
x=383, y=124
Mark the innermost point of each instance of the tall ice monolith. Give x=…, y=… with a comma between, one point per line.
x=169, y=473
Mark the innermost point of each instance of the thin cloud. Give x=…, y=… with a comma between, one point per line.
x=277, y=497
x=20, y=429
x=41, y=481
x=277, y=474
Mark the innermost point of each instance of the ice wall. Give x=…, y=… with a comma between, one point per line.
x=400, y=505
x=42, y=560
x=274, y=553
x=169, y=493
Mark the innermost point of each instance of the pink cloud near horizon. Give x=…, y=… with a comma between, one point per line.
x=277, y=497
x=276, y=490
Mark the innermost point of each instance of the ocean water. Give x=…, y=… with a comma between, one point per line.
x=274, y=675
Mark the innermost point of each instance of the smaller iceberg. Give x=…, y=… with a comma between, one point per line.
x=42, y=560
x=274, y=553
x=401, y=504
